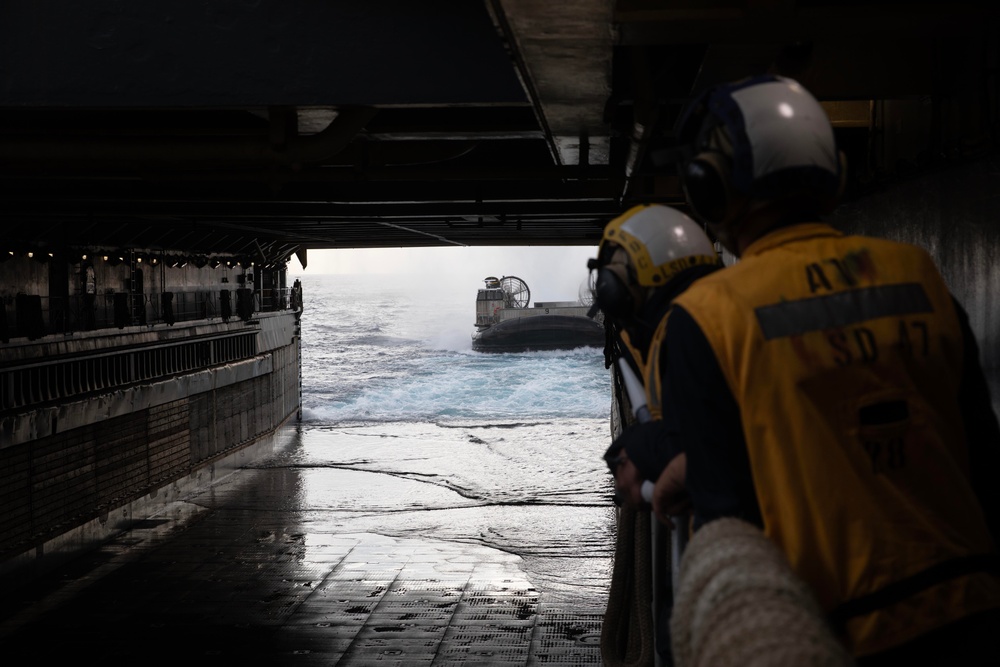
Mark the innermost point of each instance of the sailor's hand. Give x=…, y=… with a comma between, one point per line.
x=647, y=446
x=670, y=496
x=628, y=482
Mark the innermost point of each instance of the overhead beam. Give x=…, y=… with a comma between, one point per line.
x=280, y=148
x=564, y=53
x=739, y=25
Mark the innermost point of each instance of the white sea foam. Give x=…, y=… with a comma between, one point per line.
x=407, y=357
x=407, y=431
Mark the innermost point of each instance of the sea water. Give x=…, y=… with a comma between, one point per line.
x=408, y=432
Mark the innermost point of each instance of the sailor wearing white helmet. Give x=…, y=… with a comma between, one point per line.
x=827, y=388
x=647, y=256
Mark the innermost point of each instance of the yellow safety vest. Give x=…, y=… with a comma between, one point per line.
x=650, y=368
x=844, y=354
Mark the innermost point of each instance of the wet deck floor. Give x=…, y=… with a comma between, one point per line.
x=217, y=583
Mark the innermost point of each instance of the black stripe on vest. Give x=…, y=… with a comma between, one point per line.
x=904, y=588
x=794, y=318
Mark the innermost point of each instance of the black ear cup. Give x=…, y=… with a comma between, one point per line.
x=613, y=294
x=707, y=187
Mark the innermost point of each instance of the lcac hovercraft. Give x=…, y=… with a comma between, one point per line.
x=505, y=323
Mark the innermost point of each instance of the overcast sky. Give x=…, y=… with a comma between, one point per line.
x=553, y=273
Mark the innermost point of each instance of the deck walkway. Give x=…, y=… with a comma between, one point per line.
x=219, y=581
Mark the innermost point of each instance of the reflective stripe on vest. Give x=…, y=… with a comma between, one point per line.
x=650, y=368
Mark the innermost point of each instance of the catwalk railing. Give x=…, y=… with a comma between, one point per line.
x=58, y=380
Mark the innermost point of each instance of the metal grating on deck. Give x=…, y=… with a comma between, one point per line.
x=237, y=586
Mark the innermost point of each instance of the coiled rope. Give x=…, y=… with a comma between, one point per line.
x=738, y=603
x=627, y=634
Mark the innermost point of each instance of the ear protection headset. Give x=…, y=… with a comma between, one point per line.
x=615, y=292
x=707, y=180
x=762, y=139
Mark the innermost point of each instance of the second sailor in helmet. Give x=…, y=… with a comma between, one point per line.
x=647, y=257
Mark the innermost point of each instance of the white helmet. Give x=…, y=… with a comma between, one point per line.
x=761, y=141
x=643, y=249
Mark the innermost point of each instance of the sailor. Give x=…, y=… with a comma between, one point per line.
x=828, y=389
x=647, y=256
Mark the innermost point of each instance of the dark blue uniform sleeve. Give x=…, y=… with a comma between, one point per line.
x=982, y=432
x=702, y=419
x=647, y=447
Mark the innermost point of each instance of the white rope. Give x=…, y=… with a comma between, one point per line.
x=738, y=603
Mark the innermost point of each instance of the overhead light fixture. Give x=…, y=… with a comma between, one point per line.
x=214, y=263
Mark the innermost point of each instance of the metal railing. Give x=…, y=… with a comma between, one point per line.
x=57, y=380
x=34, y=383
